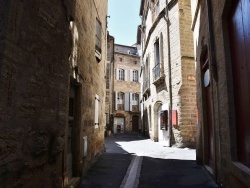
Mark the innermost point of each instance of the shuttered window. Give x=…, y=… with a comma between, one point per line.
x=96, y=111
x=134, y=75
x=98, y=39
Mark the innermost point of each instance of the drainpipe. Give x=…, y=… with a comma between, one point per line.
x=215, y=76
x=169, y=77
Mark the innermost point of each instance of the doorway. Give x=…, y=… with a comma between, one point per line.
x=239, y=27
x=135, y=124
x=71, y=118
x=119, y=126
x=208, y=121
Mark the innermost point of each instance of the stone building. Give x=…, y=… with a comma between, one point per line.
x=126, y=89
x=168, y=72
x=52, y=88
x=109, y=101
x=221, y=45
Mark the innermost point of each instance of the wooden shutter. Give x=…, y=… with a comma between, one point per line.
x=131, y=75
x=125, y=75
x=126, y=102
x=96, y=110
x=130, y=101
x=116, y=100
x=117, y=74
x=139, y=102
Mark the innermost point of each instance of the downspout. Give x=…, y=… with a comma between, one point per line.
x=169, y=76
x=215, y=76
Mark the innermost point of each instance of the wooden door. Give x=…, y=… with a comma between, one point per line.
x=70, y=129
x=239, y=28
x=135, y=123
x=208, y=126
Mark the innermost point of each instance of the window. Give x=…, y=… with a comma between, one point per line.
x=120, y=59
x=135, y=98
x=98, y=40
x=157, y=52
x=121, y=74
x=120, y=98
x=135, y=76
x=120, y=101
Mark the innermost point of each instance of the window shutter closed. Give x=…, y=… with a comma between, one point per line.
x=131, y=75
x=117, y=74
x=126, y=75
x=139, y=102
x=130, y=101
x=126, y=102
x=116, y=100
x=96, y=110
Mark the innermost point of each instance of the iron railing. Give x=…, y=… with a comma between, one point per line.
x=156, y=72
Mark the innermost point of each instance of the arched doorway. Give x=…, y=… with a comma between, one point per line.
x=119, y=125
x=160, y=132
x=135, y=123
x=161, y=122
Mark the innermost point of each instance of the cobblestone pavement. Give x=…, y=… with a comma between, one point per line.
x=132, y=160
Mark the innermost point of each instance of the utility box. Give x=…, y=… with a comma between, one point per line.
x=85, y=146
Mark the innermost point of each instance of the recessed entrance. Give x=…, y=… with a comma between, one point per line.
x=135, y=123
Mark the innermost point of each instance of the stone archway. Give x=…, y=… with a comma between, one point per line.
x=155, y=121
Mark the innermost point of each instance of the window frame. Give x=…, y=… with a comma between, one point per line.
x=98, y=39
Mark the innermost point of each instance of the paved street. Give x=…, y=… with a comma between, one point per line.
x=131, y=160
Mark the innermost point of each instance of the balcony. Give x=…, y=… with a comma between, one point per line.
x=158, y=76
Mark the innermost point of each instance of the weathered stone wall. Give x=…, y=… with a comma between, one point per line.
x=127, y=63
x=109, y=81
x=185, y=98
x=91, y=77
x=43, y=52
x=35, y=44
x=228, y=171
x=182, y=72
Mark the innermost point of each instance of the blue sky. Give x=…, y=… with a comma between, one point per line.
x=124, y=20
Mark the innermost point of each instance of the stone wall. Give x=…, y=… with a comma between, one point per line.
x=44, y=52
x=185, y=98
x=227, y=170
x=109, y=82
x=91, y=78
x=182, y=72
x=127, y=63
x=34, y=75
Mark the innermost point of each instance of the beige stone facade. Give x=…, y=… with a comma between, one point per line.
x=126, y=92
x=109, y=101
x=52, y=88
x=223, y=142
x=169, y=95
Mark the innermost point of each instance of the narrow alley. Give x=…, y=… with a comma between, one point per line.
x=132, y=160
x=124, y=93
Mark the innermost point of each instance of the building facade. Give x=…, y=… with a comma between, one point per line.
x=52, y=87
x=221, y=45
x=109, y=101
x=126, y=91
x=168, y=72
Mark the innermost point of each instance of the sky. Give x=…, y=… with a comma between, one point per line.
x=124, y=20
